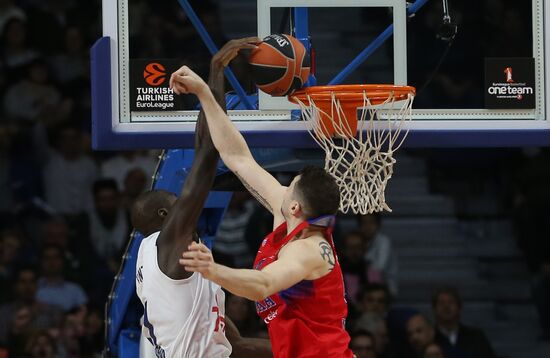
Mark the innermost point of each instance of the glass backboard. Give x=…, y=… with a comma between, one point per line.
x=487, y=87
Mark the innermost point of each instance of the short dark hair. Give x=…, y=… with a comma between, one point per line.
x=145, y=209
x=319, y=192
x=376, y=287
x=449, y=290
x=104, y=184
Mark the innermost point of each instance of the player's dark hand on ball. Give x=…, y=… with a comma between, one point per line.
x=231, y=49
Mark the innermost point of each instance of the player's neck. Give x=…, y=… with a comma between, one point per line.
x=293, y=223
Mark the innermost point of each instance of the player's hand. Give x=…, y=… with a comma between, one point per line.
x=185, y=80
x=198, y=259
x=231, y=49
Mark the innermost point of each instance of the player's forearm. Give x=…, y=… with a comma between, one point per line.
x=251, y=284
x=227, y=139
x=216, y=82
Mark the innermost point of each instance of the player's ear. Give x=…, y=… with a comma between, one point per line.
x=295, y=208
x=162, y=212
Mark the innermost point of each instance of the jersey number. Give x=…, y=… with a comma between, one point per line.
x=220, y=320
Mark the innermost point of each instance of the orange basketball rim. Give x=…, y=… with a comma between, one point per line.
x=339, y=103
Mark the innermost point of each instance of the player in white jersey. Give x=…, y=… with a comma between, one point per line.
x=183, y=312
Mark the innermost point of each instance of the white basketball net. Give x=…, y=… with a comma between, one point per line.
x=361, y=165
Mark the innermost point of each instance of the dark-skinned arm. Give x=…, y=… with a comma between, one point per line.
x=180, y=224
x=244, y=347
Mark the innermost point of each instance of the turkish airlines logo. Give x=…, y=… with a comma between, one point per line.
x=508, y=73
x=154, y=74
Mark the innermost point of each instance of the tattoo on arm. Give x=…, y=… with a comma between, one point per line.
x=255, y=194
x=327, y=254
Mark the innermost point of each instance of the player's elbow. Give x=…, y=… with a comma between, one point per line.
x=259, y=295
x=262, y=289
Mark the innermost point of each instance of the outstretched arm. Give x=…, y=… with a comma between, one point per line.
x=179, y=227
x=301, y=260
x=231, y=144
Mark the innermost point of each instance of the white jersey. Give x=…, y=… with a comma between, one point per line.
x=183, y=318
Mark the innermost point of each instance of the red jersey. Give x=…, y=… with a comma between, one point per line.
x=307, y=319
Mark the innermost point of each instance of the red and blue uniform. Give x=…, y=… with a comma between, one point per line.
x=307, y=319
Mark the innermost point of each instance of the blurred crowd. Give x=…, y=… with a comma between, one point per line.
x=64, y=209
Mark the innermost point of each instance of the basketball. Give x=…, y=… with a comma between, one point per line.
x=280, y=65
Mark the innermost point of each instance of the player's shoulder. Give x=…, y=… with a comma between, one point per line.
x=151, y=238
x=148, y=243
x=308, y=246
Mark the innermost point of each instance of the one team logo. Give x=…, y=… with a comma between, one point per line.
x=154, y=74
x=508, y=73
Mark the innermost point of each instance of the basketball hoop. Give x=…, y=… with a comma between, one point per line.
x=358, y=149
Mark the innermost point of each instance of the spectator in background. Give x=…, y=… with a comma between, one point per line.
x=380, y=255
x=362, y=344
x=41, y=345
x=75, y=245
x=20, y=181
x=453, y=336
x=9, y=11
x=55, y=231
x=69, y=173
x=375, y=324
x=135, y=183
x=420, y=333
x=10, y=243
x=72, y=64
x=6, y=186
x=109, y=229
x=35, y=97
x=231, y=248
x=72, y=331
x=92, y=341
x=433, y=350
x=121, y=164
x=241, y=311
x=82, y=264
x=15, y=52
x=19, y=328
x=41, y=316
x=47, y=20
x=53, y=289
x=353, y=263
x=375, y=298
